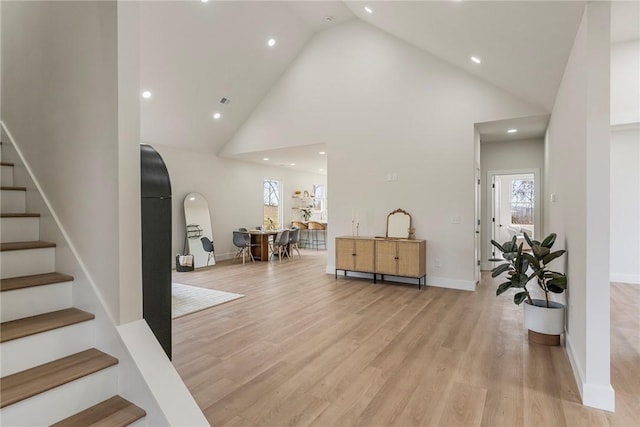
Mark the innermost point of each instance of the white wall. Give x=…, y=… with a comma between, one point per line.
x=506, y=155
x=383, y=106
x=129, y=219
x=233, y=189
x=71, y=102
x=625, y=206
x=59, y=100
x=577, y=167
x=625, y=83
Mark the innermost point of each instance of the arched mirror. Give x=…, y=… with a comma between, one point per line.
x=198, y=225
x=398, y=224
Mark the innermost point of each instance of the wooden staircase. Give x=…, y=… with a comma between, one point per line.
x=50, y=372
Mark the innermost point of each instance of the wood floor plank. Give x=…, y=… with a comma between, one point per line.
x=302, y=348
x=464, y=406
x=25, y=384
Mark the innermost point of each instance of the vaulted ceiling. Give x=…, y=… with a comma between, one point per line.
x=195, y=53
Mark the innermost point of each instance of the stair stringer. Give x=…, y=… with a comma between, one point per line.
x=172, y=405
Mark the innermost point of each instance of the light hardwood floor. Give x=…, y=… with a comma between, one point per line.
x=303, y=349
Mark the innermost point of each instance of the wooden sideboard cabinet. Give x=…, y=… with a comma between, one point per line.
x=407, y=258
x=393, y=257
x=355, y=254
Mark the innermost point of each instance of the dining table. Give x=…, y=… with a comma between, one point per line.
x=260, y=243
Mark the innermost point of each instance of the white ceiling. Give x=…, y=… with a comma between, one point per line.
x=194, y=53
x=523, y=45
x=527, y=128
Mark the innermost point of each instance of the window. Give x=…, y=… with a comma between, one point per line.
x=318, y=196
x=272, y=207
x=522, y=193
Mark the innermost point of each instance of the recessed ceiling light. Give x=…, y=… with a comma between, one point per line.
x=322, y=152
x=266, y=158
x=321, y=170
x=204, y=1
x=512, y=131
x=476, y=59
x=292, y=164
x=368, y=9
x=217, y=115
x=271, y=42
x=146, y=94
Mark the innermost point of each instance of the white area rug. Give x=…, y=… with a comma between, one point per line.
x=187, y=299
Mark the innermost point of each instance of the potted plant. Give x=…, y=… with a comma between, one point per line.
x=306, y=213
x=543, y=318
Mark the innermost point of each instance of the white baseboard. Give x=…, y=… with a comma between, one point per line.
x=633, y=279
x=443, y=282
x=440, y=282
x=486, y=266
x=600, y=396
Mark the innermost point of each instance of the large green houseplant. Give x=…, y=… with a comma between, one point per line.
x=524, y=266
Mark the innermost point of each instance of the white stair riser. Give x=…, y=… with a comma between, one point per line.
x=62, y=402
x=35, y=300
x=34, y=350
x=13, y=201
x=6, y=175
x=19, y=229
x=26, y=262
x=140, y=423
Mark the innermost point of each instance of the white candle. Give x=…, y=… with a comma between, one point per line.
x=352, y=217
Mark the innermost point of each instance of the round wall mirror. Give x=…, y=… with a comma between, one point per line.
x=198, y=225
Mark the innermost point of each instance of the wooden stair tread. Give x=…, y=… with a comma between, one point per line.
x=32, y=325
x=6, y=164
x=20, y=215
x=113, y=412
x=21, y=282
x=26, y=384
x=17, y=246
x=9, y=188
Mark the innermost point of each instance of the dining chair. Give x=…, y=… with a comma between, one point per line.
x=294, y=239
x=304, y=232
x=280, y=244
x=207, y=245
x=317, y=231
x=242, y=241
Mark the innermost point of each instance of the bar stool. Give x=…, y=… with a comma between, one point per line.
x=317, y=230
x=304, y=233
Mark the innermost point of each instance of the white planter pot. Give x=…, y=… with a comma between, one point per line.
x=539, y=318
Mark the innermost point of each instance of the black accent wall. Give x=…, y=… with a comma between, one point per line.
x=156, y=245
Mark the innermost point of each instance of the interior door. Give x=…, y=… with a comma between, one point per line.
x=495, y=232
x=476, y=238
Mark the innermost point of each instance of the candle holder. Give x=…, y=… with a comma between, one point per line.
x=353, y=229
x=357, y=229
